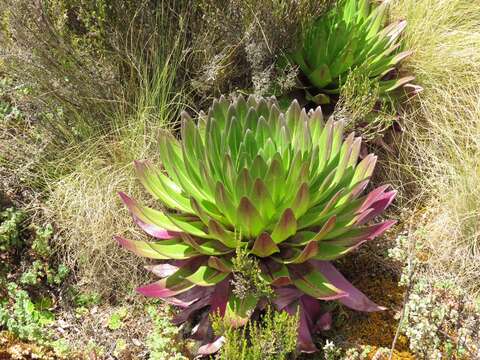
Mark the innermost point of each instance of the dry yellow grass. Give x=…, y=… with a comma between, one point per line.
x=439, y=150
x=81, y=179
x=87, y=209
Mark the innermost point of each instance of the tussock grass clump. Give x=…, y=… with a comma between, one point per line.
x=77, y=151
x=85, y=59
x=438, y=152
x=84, y=201
x=85, y=206
x=444, y=37
x=444, y=152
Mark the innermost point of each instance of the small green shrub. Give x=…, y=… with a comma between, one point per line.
x=333, y=351
x=41, y=242
x=23, y=317
x=29, y=281
x=115, y=321
x=440, y=318
x=361, y=107
x=247, y=279
x=163, y=342
x=273, y=338
x=86, y=298
x=40, y=270
x=10, y=228
x=9, y=111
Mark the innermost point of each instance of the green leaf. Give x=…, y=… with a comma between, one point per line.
x=308, y=252
x=275, y=178
x=211, y=247
x=223, y=235
x=165, y=249
x=206, y=276
x=262, y=198
x=224, y=201
x=285, y=227
x=390, y=85
x=329, y=252
x=161, y=187
x=321, y=76
x=264, y=246
x=302, y=201
x=238, y=311
x=220, y=264
x=249, y=219
x=313, y=283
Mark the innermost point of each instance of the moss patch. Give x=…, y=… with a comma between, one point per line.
x=374, y=329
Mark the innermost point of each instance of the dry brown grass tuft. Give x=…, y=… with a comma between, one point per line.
x=87, y=209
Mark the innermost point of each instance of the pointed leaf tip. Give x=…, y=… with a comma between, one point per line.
x=264, y=246
x=286, y=226
x=120, y=240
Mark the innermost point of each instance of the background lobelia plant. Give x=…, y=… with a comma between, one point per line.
x=283, y=188
x=350, y=36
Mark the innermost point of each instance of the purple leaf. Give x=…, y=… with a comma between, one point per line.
x=285, y=296
x=380, y=204
x=373, y=196
x=219, y=298
x=175, y=283
x=304, y=339
x=360, y=235
x=188, y=297
x=324, y=322
x=184, y=315
x=160, y=289
x=155, y=231
x=355, y=299
x=139, y=217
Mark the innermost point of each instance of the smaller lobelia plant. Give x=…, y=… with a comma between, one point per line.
x=253, y=191
x=350, y=36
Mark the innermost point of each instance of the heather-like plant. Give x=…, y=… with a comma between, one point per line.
x=283, y=188
x=350, y=36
